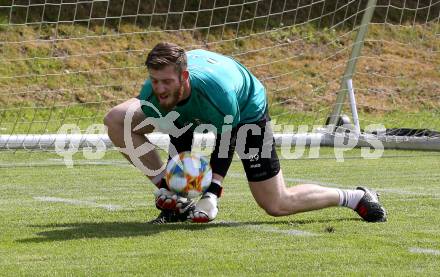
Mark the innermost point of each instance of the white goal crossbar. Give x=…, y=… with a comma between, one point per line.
x=51, y=141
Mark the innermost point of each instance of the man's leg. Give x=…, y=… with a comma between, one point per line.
x=276, y=199
x=114, y=120
x=150, y=160
x=271, y=193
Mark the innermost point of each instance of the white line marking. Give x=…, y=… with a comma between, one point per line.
x=268, y=229
x=405, y=192
x=328, y=184
x=306, y=181
x=108, y=207
x=424, y=251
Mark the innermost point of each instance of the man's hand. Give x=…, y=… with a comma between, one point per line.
x=205, y=209
x=167, y=200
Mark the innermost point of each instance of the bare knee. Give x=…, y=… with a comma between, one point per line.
x=128, y=112
x=273, y=196
x=282, y=205
x=113, y=118
x=273, y=211
x=276, y=209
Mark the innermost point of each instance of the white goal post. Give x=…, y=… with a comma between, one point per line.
x=68, y=61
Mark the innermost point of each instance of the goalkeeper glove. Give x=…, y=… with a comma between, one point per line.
x=167, y=200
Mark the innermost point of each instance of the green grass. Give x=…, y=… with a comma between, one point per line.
x=51, y=239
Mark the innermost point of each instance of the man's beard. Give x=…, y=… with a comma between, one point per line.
x=172, y=100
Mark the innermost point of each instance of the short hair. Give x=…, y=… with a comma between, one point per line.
x=165, y=53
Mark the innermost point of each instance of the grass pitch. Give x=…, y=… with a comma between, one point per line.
x=91, y=220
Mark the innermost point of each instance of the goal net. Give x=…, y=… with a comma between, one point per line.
x=64, y=63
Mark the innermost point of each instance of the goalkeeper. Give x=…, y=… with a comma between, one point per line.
x=202, y=90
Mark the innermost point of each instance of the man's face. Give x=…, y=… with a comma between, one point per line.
x=167, y=86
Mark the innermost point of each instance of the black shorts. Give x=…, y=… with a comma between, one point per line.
x=259, y=158
x=254, y=144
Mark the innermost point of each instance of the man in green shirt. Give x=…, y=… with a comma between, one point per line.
x=201, y=90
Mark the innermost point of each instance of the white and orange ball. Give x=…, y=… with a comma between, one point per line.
x=188, y=174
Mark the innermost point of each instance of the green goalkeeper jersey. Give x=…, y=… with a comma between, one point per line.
x=222, y=91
